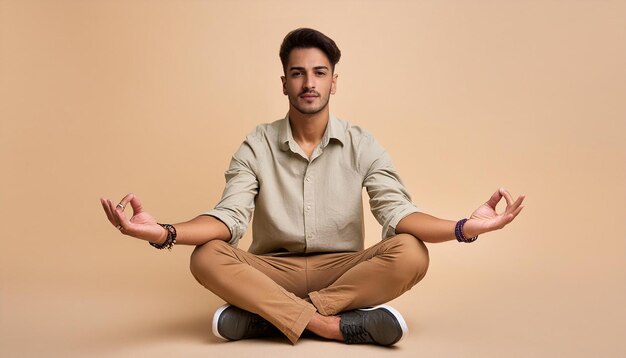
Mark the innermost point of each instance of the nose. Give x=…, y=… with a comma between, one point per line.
x=309, y=83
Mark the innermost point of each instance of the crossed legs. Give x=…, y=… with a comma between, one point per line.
x=298, y=292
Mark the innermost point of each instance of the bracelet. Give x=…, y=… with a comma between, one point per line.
x=170, y=240
x=458, y=232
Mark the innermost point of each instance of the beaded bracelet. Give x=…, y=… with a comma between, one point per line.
x=170, y=240
x=458, y=232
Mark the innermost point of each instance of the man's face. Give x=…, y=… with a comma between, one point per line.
x=309, y=80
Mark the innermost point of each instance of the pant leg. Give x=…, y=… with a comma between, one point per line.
x=341, y=282
x=253, y=283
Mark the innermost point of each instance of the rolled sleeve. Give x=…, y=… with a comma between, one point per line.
x=389, y=201
x=236, y=228
x=237, y=203
x=389, y=229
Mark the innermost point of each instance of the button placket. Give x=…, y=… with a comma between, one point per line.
x=309, y=206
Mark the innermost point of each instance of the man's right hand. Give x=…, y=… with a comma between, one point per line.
x=141, y=225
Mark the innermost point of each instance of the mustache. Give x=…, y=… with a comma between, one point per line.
x=309, y=92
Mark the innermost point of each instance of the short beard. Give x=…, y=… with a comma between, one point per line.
x=294, y=104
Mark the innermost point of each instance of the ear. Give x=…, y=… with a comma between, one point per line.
x=283, y=79
x=333, y=85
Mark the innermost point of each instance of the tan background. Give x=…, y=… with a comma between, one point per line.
x=98, y=98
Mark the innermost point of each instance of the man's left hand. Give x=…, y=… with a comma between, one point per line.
x=486, y=219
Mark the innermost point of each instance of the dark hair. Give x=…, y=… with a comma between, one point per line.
x=309, y=38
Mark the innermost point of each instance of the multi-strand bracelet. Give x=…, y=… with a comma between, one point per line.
x=169, y=241
x=458, y=231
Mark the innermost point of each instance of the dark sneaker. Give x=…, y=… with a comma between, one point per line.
x=381, y=325
x=232, y=323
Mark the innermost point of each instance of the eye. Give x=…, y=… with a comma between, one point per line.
x=320, y=73
x=296, y=74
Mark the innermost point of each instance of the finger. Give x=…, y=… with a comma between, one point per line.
x=136, y=205
x=511, y=216
x=123, y=222
x=105, y=206
x=122, y=204
x=114, y=219
x=507, y=196
x=511, y=208
x=517, y=211
x=495, y=198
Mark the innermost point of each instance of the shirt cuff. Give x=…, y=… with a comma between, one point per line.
x=234, y=226
x=389, y=230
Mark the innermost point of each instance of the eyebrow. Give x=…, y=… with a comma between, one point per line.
x=295, y=68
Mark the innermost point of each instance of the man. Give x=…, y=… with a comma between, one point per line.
x=306, y=268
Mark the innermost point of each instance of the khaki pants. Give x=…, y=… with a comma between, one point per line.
x=288, y=290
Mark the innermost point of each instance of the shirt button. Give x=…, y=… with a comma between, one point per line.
x=308, y=179
x=309, y=236
x=308, y=207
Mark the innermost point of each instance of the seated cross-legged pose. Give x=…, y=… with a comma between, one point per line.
x=302, y=176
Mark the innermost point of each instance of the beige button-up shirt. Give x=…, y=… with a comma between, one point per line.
x=308, y=205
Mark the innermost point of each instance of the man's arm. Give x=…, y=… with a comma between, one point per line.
x=200, y=230
x=427, y=228
x=142, y=225
x=228, y=221
x=431, y=229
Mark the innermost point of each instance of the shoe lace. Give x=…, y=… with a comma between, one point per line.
x=356, y=334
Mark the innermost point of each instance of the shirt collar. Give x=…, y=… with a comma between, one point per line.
x=334, y=130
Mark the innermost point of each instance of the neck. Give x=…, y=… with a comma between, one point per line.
x=308, y=129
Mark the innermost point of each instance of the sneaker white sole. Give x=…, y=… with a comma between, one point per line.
x=397, y=315
x=216, y=318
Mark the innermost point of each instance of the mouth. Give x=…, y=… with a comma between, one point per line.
x=309, y=96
